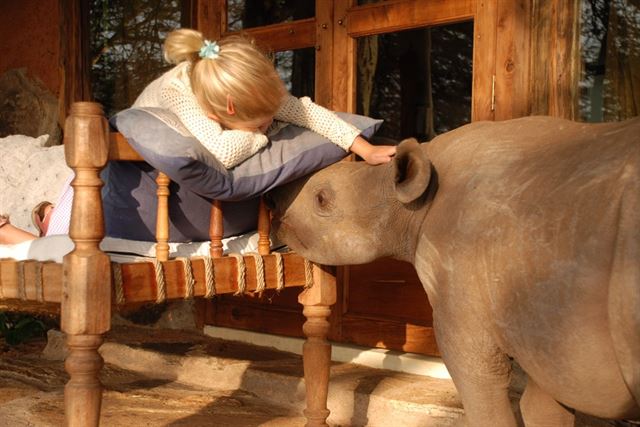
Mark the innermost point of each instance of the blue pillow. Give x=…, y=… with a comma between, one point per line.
x=198, y=177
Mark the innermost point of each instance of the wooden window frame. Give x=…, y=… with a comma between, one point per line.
x=74, y=59
x=333, y=32
x=501, y=58
x=501, y=77
x=336, y=25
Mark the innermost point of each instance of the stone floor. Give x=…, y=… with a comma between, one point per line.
x=31, y=394
x=178, y=378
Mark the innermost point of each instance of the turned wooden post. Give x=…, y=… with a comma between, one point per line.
x=162, y=217
x=264, y=228
x=86, y=292
x=316, y=351
x=216, y=230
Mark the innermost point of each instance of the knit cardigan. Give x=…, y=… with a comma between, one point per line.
x=172, y=91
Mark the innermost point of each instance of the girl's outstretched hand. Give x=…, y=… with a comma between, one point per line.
x=372, y=154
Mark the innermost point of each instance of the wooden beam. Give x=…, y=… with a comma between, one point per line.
x=324, y=53
x=513, y=59
x=555, y=58
x=119, y=149
x=398, y=15
x=484, y=60
x=139, y=283
x=73, y=63
x=209, y=16
x=284, y=36
x=30, y=307
x=566, y=62
x=344, y=60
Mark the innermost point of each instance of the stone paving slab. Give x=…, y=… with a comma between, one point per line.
x=184, y=378
x=31, y=394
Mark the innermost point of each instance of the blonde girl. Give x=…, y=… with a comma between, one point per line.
x=227, y=94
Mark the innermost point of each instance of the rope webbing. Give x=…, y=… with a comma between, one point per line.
x=209, y=277
x=39, y=283
x=261, y=284
x=118, y=283
x=209, y=272
x=190, y=282
x=241, y=270
x=22, y=292
x=161, y=293
x=279, y=271
x=308, y=273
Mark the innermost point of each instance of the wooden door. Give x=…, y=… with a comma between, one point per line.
x=389, y=49
x=380, y=304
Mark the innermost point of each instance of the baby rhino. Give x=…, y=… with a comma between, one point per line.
x=526, y=238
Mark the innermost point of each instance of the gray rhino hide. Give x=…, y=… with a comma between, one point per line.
x=526, y=237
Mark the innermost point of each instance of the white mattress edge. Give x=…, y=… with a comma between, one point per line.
x=54, y=248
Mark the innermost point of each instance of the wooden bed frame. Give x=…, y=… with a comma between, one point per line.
x=84, y=289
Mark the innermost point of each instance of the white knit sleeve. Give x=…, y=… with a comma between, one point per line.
x=230, y=147
x=304, y=112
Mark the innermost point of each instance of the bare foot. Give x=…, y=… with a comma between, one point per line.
x=10, y=234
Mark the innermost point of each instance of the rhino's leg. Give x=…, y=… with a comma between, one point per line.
x=539, y=409
x=480, y=370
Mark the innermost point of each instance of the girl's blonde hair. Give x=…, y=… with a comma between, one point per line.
x=240, y=70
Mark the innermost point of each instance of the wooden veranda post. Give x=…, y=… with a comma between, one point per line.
x=86, y=294
x=316, y=351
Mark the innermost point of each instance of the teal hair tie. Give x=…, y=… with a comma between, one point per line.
x=209, y=50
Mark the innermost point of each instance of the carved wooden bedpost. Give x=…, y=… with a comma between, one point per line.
x=316, y=351
x=86, y=295
x=216, y=230
x=162, y=217
x=264, y=228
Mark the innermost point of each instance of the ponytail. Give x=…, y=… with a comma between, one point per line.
x=233, y=66
x=182, y=45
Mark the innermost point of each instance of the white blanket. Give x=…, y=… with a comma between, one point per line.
x=54, y=248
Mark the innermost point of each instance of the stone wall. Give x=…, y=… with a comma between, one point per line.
x=27, y=107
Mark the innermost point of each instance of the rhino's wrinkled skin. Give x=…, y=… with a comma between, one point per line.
x=526, y=237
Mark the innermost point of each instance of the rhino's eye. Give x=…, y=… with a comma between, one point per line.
x=323, y=201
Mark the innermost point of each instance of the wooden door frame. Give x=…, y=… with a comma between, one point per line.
x=210, y=17
x=497, y=68
x=74, y=62
x=500, y=71
x=333, y=32
x=352, y=21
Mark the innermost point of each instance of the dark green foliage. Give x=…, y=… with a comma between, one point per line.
x=18, y=328
x=126, y=46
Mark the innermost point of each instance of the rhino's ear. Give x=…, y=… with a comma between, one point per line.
x=412, y=171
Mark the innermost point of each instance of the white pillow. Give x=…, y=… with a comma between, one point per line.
x=29, y=174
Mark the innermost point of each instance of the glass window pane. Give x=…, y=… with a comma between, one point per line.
x=418, y=81
x=297, y=69
x=610, y=53
x=126, y=46
x=256, y=13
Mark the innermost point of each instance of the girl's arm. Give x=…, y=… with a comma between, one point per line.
x=230, y=147
x=304, y=112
